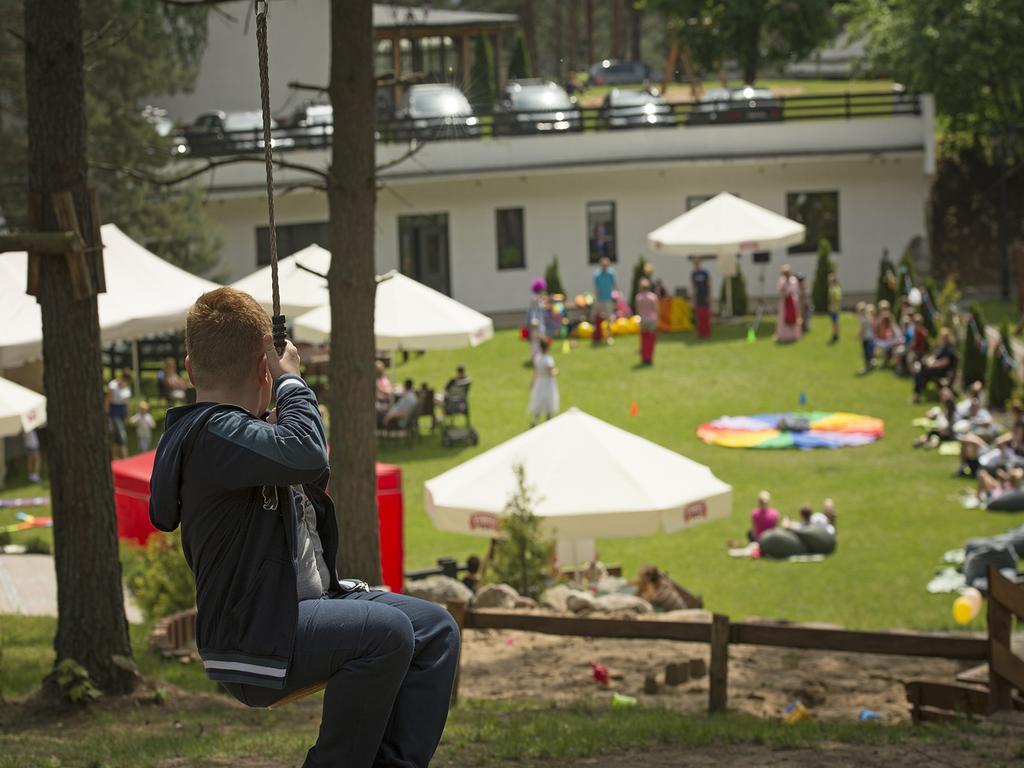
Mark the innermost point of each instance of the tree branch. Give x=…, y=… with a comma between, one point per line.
x=209, y=165
x=413, y=150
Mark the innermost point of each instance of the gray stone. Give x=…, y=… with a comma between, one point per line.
x=677, y=674
x=577, y=602
x=632, y=603
x=698, y=668
x=525, y=602
x=438, y=589
x=496, y=596
x=555, y=597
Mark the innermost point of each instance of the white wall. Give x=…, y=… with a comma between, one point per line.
x=881, y=205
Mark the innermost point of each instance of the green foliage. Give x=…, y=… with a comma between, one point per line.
x=975, y=351
x=73, y=679
x=522, y=557
x=754, y=33
x=740, y=304
x=905, y=269
x=520, y=66
x=133, y=52
x=553, y=277
x=159, y=577
x=886, y=290
x=481, y=77
x=5, y=538
x=1002, y=370
x=638, y=274
x=819, y=292
x=37, y=546
x=936, y=46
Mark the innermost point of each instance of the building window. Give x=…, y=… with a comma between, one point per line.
x=290, y=238
x=511, y=245
x=423, y=249
x=819, y=212
x=601, y=231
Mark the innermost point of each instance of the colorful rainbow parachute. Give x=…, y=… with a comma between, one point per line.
x=763, y=430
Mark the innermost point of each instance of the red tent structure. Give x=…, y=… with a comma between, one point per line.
x=131, y=496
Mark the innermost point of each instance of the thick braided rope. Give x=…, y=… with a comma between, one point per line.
x=268, y=159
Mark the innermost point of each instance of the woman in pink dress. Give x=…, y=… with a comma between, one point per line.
x=788, y=327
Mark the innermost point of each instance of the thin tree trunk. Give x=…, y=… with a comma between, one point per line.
x=670, y=62
x=352, y=198
x=574, y=38
x=530, y=31
x=590, y=32
x=636, y=18
x=91, y=625
x=618, y=30
x=559, y=42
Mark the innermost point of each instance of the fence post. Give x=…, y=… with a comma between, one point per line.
x=847, y=100
x=457, y=608
x=1000, y=624
x=718, y=673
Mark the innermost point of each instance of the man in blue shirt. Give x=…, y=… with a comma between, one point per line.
x=604, y=304
x=701, y=298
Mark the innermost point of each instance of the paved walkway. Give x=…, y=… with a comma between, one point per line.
x=28, y=586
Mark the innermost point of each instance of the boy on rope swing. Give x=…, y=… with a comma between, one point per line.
x=259, y=533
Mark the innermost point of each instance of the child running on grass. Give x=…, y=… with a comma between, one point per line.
x=248, y=488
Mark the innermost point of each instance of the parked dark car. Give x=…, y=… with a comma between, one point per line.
x=311, y=126
x=739, y=105
x=230, y=132
x=165, y=129
x=631, y=109
x=612, y=72
x=433, y=112
x=536, y=106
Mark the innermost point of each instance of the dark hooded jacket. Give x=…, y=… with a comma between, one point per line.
x=225, y=476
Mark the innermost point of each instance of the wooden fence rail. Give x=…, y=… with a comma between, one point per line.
x=1006, y=671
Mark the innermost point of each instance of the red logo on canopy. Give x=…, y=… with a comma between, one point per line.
x=692, y=512
x=484, y=521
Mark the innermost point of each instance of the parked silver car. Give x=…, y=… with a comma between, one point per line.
x=435, y=111
x=633, y=109
x=737, y=105
x=218, y=132
x=536, y=106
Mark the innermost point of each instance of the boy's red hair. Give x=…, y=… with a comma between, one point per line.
x=224, y=334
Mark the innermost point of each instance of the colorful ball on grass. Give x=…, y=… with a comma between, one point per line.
x=585, y=330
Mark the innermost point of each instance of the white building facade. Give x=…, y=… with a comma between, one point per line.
x=479, y=219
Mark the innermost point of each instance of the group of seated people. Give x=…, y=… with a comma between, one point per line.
x=899, y=337
x=400, y=408
x=773, y=535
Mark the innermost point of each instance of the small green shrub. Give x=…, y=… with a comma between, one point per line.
x=38, y=546
x=739, y=293
x=638, y=274
x=75, y=682
x=819, y=293
x=553, y=277
x=887, y=289
x=5, y=538
x=975, y=351
x=481, y=77
x=159, y=577
x=519, y=66
x=522, y=557
x=1002, y=370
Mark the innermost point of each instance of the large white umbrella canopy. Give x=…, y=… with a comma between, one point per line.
x=592, y=480
x=301, y=278
x=21, y=409
x=145, y=295
x=408, y=315
x=724, y=226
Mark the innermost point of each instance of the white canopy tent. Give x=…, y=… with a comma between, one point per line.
x=301, y=278
x=21, y=409
x=612, y=484
x=145, y=295
x=408, y=315
x=724, y=226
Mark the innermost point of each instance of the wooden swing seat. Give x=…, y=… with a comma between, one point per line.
x=302, y=693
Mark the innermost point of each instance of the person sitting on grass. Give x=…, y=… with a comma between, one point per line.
x=992, y=485
x=657, y=588
x=827, y=517
x=763, y=517
x=943, y=417
x=248, y=488
x=940, y=366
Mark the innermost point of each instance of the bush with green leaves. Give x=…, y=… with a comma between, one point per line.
x=553, y=278
x=37, y=545
x=481, y=77
x=740, y=304
x=159, y=577
x=1002, y=370
x=825, y=266
x=74, y=681
x=975, y=351
x=522, y=557
x=887, y=289
x=520, y=66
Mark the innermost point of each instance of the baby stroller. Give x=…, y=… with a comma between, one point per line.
x=456, y=428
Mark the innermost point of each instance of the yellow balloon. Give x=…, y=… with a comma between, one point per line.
x=634, y=324
x=963, y=611
x=585, y=330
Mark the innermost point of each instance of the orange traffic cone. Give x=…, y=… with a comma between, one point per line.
x=633, y=409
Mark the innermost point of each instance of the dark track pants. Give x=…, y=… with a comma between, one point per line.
x=390, y=663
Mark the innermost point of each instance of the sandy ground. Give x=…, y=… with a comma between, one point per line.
x=762, y=681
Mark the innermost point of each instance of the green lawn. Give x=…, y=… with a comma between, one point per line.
x=897, y=507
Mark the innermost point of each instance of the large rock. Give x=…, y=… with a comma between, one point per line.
x=496, y=596
x=578, y=602
x=555, y=597
x=611, y=603
x=438, y=589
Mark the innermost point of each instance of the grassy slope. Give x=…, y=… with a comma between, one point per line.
x=897, y=506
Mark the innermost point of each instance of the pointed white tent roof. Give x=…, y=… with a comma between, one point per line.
x=620, y=485
x=145, y=295
x=301, y=289
x=21, y=409
x=408, y=315
x=725, y=225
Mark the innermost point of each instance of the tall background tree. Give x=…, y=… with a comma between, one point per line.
x=352, y=200
x=133, y=50
x=91, y=624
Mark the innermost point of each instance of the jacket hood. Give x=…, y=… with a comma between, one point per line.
x=180, y=428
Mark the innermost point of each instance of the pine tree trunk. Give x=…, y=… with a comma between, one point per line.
x=530, y=32
x=352, y=197
x=590, y=32
x=559, y=43
x=574, y=38
x=618, y=30
x=91, y=625
x=636, y=17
